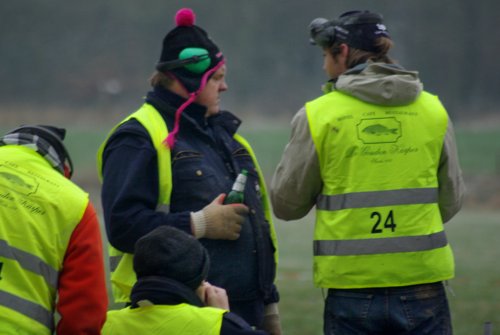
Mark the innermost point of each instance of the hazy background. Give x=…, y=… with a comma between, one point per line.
x=85, y=65
x=94, y=56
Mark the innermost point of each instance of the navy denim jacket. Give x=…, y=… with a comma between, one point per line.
x=205, y=162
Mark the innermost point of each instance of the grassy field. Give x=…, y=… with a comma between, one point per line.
x=473, y=234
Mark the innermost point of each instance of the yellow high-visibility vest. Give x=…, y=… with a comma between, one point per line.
x=164, y=319
x=377, y=219
x=122, y=274
x=39, y=209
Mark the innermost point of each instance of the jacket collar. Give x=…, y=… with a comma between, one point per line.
x=158, y=290
x=167, y=102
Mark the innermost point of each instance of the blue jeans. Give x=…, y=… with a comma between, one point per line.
x=407, y=310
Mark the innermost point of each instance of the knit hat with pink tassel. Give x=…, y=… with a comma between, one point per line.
x=189, y=55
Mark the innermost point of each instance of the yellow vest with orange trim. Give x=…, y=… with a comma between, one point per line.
x=39, y=210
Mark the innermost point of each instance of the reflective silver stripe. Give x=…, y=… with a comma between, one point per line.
x=113, y=262
x=378, y=198
x=379, y=245
x=28, y=308
x=30, y=262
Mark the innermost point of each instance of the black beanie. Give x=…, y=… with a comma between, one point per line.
x=171, y=253
x=187, y=35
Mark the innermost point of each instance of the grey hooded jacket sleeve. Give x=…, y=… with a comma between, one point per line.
x=296, y=183
x=451, y=184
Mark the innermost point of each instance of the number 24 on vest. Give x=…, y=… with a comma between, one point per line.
x=389, y=222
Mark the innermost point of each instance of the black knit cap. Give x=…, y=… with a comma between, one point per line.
x=171, y=253
x=187, y=35
x=191, y=57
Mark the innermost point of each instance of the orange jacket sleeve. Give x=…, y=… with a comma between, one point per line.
x=83, y=299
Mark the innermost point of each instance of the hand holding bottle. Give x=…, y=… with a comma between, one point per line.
x=237, y=194
x=218, y=221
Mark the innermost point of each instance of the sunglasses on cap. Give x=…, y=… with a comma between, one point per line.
x=325, y=33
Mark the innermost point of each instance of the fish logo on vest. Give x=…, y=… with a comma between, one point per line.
x=379, y=130
x=19, y=182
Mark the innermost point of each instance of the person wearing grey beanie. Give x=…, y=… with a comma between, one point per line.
x=171, y=295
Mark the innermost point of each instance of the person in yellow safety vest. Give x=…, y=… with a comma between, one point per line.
x=377, y=157
x=51, y=257
x=171, y=295
x=173, y=161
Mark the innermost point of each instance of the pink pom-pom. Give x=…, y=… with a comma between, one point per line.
x=185, y=17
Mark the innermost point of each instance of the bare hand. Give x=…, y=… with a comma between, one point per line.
x=215, y=296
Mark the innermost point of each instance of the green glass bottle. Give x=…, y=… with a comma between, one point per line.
x=238, y=190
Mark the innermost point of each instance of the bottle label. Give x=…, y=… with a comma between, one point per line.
x=239, y=184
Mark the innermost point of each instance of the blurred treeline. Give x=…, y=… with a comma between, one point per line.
x=97, y=55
